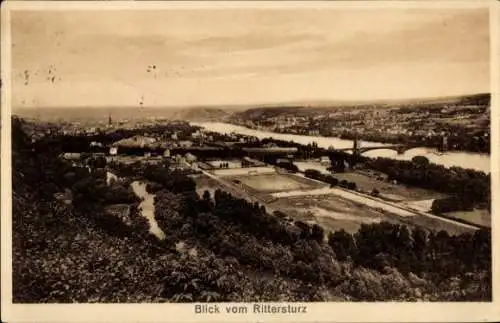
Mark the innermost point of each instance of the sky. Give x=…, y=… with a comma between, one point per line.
x=188, y=57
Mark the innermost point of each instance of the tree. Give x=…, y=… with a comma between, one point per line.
x=481, y=243
x=190, y=208
x=118, y=194
x=333, y=181
x=305, y=229
x=312, y=173
x=97, y=162
x=317, y=233
x=420, y=245
x=450, y=204
x=337, y=160
x=69, y=178
x=342, y=244
x=352, y=186
x=421, y=161
x=206, y=196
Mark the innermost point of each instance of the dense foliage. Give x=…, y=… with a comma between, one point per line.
x=436, y=256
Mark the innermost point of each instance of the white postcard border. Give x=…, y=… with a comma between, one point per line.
x=316, y=312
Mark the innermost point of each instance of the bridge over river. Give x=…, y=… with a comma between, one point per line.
x=400, y=149
x=476, y=161
x=357, y=149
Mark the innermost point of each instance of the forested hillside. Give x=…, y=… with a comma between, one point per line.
x=217, y=248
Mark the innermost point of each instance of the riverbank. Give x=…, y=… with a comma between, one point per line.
x=384, y=138
x=475, y=161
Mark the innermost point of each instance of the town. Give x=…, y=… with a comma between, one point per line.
x=464, y=120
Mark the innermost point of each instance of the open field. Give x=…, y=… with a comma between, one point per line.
x=348, y=195
x=247, y=171
x=205, y=183
x=421, y=206
x=276, y=182
x=335, y=213
x=330, y=211
x=367, y=184
x=480, y=217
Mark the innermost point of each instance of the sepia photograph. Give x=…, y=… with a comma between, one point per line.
x=265, y=155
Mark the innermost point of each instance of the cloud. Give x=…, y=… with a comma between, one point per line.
x=270, y=53
x=252, y=41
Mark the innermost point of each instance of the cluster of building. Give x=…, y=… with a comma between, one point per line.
x=420, y=122
x=179, y=146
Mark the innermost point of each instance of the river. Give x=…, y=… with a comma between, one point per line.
x=476, y=161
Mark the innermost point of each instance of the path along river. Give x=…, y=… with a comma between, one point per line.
x=147, y=208
x=476, y=161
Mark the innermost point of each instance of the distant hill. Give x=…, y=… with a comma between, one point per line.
x=203, y=114
x=228, y=112
x=322, y=107
x=77, y=113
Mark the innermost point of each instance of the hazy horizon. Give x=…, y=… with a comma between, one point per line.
x=235, y=57
x=317, y=103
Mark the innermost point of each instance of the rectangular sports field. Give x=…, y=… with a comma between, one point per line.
x=268, y=183
x=334, y=212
